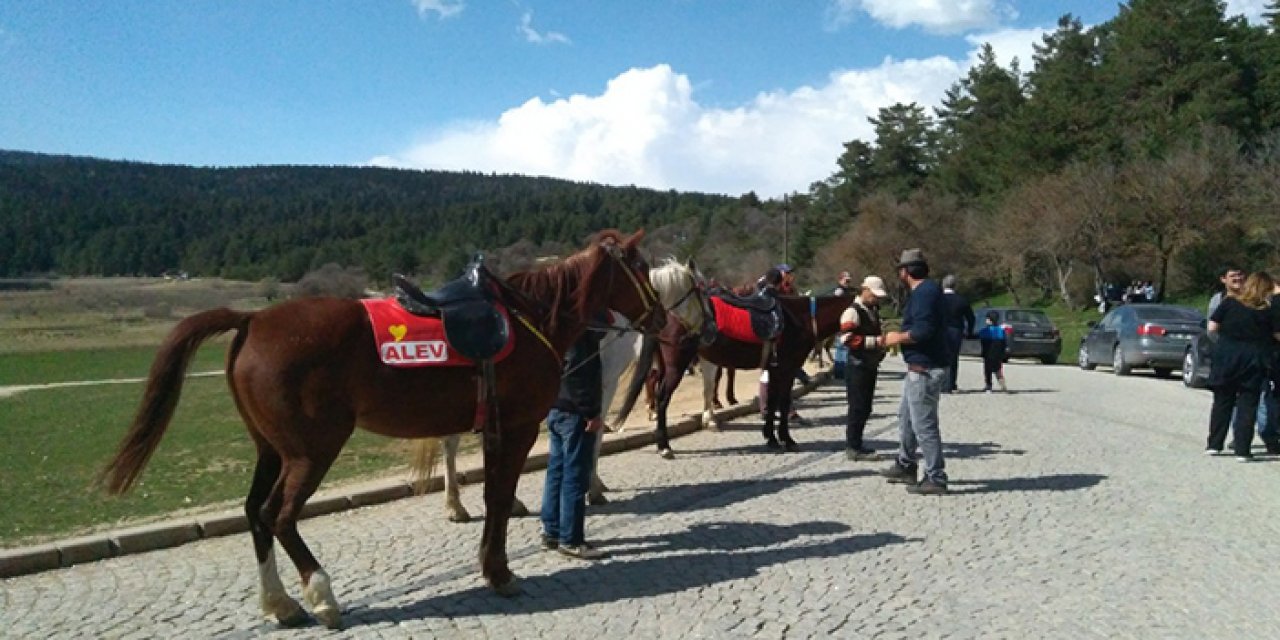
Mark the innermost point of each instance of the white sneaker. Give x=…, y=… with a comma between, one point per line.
x=1003, y=387
x=1213, y=452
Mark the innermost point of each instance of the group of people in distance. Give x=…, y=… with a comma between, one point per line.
x=1244, y=324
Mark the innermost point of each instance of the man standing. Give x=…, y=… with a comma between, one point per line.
x=844, y=285
x=860, y=332
x=574, y=424
x=1232, y=279
x=959, y=324
x=924, y=348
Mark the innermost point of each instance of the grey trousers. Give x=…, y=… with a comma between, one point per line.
x=918, y=421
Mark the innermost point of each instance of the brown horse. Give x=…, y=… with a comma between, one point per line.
x=806, y=320
x=305, y=373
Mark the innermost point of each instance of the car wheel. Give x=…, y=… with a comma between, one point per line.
x=1190, y=369
x=1163, y=372
x=1050, y=359
x=1118, y=364
x=1082, y=358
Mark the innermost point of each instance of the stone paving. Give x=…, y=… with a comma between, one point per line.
x=1081, y=507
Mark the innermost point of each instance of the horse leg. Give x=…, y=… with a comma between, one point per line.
x=273, y=598
x=782, y=399
x=651, y=382
x=730, y=393
x=595, y=494
x=503, y=462
x=709, y=403
x=299, y=479
x=452, y=499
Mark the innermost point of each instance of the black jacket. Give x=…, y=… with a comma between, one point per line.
x=582, y=387
x=959, y=313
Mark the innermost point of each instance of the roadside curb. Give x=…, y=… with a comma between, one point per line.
x=161, y=535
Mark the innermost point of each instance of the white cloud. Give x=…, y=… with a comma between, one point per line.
x=442, y=8
x=936, y=16
x=531, y=35
x=1251, y=9
x=1009, y=44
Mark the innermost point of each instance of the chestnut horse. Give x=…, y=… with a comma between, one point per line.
x=306, y=372
x=680, y=290
x=806, y=320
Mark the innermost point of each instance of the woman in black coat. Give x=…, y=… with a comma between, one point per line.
x=1246, y=329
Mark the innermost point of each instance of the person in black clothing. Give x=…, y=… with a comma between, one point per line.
x=960, y=323
x=1246, y=329
x=860, y=332
x=574, y=423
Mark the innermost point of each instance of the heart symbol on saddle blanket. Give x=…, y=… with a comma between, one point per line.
x=397, y=331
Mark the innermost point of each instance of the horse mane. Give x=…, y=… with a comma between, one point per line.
x=566, y=281
x=669, y=280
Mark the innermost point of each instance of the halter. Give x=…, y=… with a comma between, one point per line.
x=694, y=287
x=647, y=295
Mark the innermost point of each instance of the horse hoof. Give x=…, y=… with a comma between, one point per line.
x=508, y=589
x=597, y=499
x=459, y=516
x=286, y=611
x=328, y=616
x=666, y=454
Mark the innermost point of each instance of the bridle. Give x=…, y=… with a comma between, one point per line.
x=648, y=296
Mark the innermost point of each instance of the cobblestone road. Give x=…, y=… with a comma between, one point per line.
x=1081, y=507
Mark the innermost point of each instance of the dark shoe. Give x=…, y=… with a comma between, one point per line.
x=928, y=488
x=1273, y=448
x=899, y=474
x=790, y=446
x=549, y=543
x=582, y=551
x=860, y=453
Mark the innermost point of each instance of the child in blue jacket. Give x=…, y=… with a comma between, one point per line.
x=994, y=345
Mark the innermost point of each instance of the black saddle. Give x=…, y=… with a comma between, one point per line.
x=467, y=306
x=760, y=301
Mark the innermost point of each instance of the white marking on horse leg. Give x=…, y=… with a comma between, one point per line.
x=275, y=602
x=319, y=596
x=452, y=500
x=709, y=418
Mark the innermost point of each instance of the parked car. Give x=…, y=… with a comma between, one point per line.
x=1196, y=360
x=1141, y=335
x=1031, y=334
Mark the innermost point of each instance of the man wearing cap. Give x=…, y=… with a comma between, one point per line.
x=860, y=331
x=924, y=348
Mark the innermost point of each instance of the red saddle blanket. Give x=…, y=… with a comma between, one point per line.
x=406, y=340
x=734, y=322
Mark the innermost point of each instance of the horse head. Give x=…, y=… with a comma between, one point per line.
x=683, y=291
x=621, y=282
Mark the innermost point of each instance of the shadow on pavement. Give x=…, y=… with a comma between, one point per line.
x=580, y=584
x=713, y=495
x=1061, y=482
x=967, y=450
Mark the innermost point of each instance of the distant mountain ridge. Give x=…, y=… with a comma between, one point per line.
x=85, y=216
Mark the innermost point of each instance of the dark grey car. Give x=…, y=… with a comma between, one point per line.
x=1030, y=334
x=1136, y=336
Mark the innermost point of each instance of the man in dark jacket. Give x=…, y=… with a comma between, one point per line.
x=860, y=332
x=574, y=424
x=960, y=323
x=924, y=348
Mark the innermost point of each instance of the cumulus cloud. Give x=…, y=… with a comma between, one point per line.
x=1009, y=44
x=936, y=16
x=532, y=35
x=442, y=8
x=647, y=129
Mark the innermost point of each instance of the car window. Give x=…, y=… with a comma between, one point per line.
x=1027, y=317
x=1114, y=320
x=1185, y=314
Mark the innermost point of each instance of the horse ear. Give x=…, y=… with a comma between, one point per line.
x=693, y=265
x=635, y=238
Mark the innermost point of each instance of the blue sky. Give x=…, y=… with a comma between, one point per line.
x=724, y=96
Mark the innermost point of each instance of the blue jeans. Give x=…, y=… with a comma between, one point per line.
x=1268, y=419
x=918, y=421
x=568, y=476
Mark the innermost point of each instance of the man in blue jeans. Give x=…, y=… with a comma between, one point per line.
x=924, y=349
x=574, y=424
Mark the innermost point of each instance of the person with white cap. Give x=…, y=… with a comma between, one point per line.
x=861, y=333
x=924, y=348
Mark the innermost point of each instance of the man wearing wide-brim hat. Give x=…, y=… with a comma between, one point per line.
x=924, y=348
x=861, y=333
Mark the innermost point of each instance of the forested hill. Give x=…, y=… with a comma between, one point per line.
x=72, y=216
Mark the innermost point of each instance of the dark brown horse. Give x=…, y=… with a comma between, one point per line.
x=305, y=373
x=806, y=320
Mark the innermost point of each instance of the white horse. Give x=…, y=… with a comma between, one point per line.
x=680, y=289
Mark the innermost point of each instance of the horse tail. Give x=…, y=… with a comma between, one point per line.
x=644, y=361
x=164, y=386
x=424, y=457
